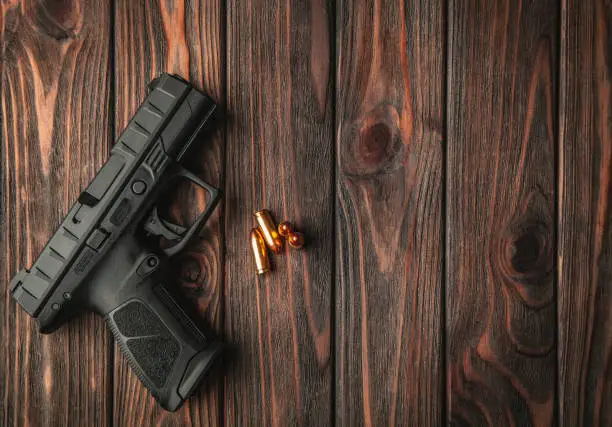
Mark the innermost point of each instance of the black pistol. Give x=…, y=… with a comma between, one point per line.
x=110, y=253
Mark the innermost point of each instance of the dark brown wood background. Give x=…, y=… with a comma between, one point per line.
x=449, y=161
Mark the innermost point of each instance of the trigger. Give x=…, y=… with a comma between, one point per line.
x=160, y=227
x=178, y=229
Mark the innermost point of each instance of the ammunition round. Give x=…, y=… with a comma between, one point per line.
x=285, y=228
x=268, y=230
x=296, y=240
x=260, y=253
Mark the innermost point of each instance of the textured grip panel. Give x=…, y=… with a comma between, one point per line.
x=150, y=343
x=166, y=350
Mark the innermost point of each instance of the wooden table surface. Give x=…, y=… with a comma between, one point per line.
x=449, y=161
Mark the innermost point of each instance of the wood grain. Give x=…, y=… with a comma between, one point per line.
x=279, y=157
x=184, y=38
x=501, y=212
x=372, y=167
x=54, y=137
x=585, y=234
x=389, y=216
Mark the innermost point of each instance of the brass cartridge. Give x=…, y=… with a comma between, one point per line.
x=268, y=230
x=260, y=253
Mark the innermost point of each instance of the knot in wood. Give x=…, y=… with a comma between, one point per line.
x=526, y=252
x=372, y=145
x=522, y=256
x=191, y=272
x=60, y=19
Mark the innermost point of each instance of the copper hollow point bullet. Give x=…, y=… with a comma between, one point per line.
x=260, y=253
x=296, y=240
x=268, y=230
x=285, y=229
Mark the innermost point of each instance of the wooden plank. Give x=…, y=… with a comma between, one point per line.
x=55, y=135
x=585, y=234
x=501, y=211
x=389, y=213
x=280, y=151
x=185, y=38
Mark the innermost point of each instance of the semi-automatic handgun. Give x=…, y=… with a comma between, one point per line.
x=110, y=254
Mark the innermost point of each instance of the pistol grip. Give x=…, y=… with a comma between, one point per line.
x=168, y=352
